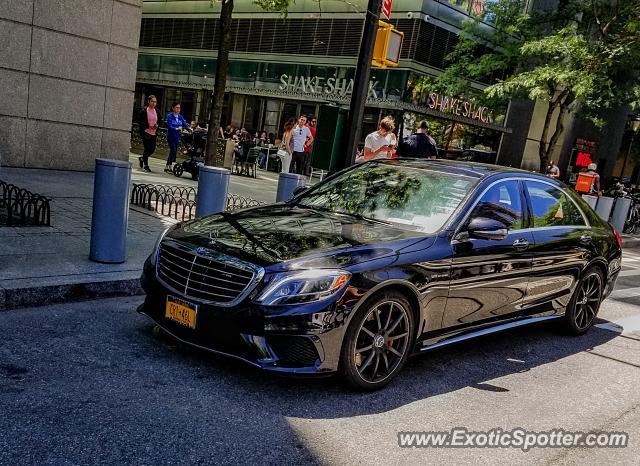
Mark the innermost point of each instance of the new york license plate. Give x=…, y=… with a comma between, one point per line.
x=181, y=311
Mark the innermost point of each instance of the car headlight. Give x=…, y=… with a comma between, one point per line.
x=304, y=287
x=154, y=253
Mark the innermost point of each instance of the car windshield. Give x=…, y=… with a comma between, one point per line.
x=418, y=199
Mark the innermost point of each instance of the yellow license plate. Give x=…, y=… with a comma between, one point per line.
x=182, y=312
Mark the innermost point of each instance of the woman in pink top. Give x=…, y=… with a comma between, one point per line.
x=148, y=126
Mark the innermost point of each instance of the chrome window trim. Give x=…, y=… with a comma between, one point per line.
x=523, y=179
x=258, y=274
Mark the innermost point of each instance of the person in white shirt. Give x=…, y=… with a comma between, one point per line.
x=300, y=138
x=380, y=143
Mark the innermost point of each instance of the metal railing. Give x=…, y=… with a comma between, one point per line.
x=20, y=207
x=179, y=202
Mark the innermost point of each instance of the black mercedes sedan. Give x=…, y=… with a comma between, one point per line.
x=381, y=261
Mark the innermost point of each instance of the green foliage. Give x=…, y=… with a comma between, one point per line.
x=586, y=55
x=280, y=6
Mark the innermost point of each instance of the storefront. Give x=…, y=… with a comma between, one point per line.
x=263, y=96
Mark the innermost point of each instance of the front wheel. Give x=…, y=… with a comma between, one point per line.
x=378, y=341
x=178, y=170
x=585, y=303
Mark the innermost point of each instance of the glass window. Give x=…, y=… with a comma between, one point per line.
x=148, y=62
x=203, y=67
x=397, y=192
x=242, y=71
x=551, y=207
x=501, y=202
x=271, y=72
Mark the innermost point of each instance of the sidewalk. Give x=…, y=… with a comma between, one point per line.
x=44, y=265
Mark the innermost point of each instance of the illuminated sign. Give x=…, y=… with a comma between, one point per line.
x=339, y=87
x=460, y=107
x=584, y=159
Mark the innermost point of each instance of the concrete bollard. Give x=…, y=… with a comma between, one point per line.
x=620, y=212
x=213, y=186
x=604, y=206
x=591, y=200
x=287, y=183
x=110, y=213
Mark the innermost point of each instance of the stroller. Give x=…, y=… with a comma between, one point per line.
x=194, y=146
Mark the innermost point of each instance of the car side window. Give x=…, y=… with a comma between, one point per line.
x=501, y=202
x=551, y=207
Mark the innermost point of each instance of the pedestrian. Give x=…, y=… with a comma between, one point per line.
x=148, y=127
x=312, y=122
x=175, y=124
x=595, y=186
x=419, y=144
x=286, y=151
x=379, y=144
x=300, y=138
x=552, y=170
x=588, y=182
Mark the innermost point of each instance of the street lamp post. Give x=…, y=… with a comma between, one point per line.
x=635, y=125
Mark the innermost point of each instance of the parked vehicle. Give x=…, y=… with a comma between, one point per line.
x=381, y=261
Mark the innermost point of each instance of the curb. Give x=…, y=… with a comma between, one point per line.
x=12, y=298
x=630, y=243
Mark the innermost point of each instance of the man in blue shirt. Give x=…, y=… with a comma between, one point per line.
x=175, y=124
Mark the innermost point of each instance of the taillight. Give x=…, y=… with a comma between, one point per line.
x=618, y=237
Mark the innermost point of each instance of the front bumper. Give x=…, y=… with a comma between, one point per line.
x=299, y=340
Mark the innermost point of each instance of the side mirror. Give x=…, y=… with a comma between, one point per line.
x=300, y=190
x=487, y=228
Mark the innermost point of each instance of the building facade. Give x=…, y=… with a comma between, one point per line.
x=283, y=67
x=68, y=73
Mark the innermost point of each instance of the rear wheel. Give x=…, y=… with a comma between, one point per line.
x=585, y=303
x=378, y=341
x=178, y=170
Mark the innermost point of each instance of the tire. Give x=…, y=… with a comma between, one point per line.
x=178, y=170
x=194, y=176
x=382, y=331
x=585, y=303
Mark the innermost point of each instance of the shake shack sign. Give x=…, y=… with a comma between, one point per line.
x=460, y=107
x=329, y=87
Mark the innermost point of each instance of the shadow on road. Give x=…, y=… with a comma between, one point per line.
x=468, y=364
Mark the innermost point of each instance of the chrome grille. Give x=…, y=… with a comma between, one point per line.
x=204, y=275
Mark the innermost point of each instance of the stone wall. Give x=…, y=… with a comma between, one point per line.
x=67, y=74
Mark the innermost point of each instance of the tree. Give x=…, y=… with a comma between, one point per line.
x=583, y=57
x=222, y=68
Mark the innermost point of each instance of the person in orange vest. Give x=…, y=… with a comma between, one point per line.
x=589, y=182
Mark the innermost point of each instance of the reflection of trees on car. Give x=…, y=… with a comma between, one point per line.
x=562, y=212
x=367, y=190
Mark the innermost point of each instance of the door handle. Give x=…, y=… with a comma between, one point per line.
x=585, y=239
x=521, y=243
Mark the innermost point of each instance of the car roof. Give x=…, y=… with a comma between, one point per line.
x=464, y=168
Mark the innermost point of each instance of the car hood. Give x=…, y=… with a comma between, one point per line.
x=296, y=237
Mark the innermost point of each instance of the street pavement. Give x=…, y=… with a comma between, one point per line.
x=92, y=383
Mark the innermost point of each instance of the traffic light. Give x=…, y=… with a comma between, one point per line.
x=386, y=51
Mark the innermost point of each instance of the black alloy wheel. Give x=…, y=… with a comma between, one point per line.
x=585, y=303
x=378, y=341
x=178, y=170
